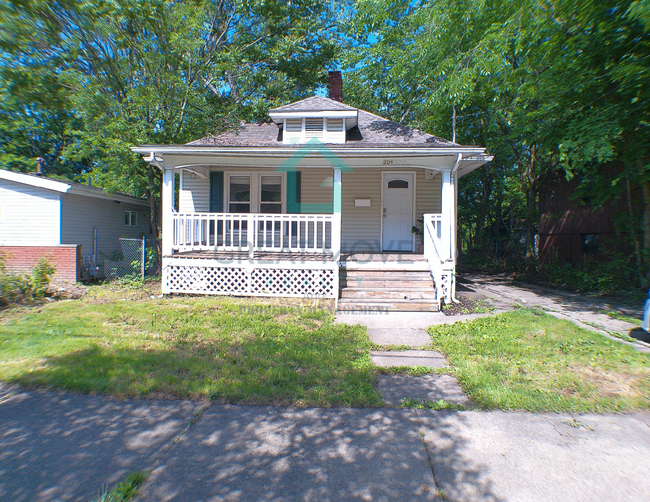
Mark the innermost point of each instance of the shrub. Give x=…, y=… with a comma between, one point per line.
x=19, y=288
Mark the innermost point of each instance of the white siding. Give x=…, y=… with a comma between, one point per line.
x=316, y=188
x=360, y=226
x=195, y=196
x=429, y=194
x=29, y=216
x=81, y=214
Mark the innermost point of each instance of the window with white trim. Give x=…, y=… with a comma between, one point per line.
x=131, y=218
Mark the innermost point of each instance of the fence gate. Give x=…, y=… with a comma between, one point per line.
x=130, y=263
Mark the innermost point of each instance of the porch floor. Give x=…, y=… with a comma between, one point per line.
x=390, y=256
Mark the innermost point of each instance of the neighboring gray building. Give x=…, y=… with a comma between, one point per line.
x=74, y=224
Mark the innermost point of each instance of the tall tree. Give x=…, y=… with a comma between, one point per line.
x=544, y=84
x=160, y=72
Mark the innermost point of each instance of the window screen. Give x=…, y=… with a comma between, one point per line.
x=335, y=125
x=314, y=128
x=294, y=125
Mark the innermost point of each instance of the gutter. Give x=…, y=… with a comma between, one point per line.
x=330, y=151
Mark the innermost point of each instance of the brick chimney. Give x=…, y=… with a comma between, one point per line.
x=335, y=85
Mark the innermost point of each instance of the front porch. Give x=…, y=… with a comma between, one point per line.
x=300, y=256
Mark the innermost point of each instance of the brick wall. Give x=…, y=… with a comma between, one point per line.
x=66, y=258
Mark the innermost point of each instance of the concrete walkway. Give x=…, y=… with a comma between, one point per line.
x=56, y=446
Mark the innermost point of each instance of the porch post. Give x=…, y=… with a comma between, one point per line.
x=448, y=200
x=337, y=204
x=167, y=209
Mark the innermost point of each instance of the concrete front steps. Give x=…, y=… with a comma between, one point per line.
x=391, y=287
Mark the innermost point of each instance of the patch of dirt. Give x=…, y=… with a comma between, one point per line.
x=67, y=291
x=610, y=383
x=468, y=304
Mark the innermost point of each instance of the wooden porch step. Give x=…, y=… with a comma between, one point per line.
x=387, y=290
x=382, y=274
x=387, y=284
x=388, y=305
x=403, y=293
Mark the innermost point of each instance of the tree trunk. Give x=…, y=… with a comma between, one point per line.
x=645, y=185
x=154, y=220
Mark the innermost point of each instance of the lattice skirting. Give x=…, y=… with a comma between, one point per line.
x=242, y=281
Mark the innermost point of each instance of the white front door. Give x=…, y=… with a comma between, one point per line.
x=397, y=211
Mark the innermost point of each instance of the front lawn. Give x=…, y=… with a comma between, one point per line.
x=189, y=347
x=529, y=360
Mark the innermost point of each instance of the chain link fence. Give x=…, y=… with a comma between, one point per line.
x=135, y=260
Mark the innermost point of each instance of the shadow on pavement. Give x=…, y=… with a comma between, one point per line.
x=460, y=476
x=58, y=446
x=245, y=453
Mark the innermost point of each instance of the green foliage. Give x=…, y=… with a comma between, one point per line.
x=20, y=288
x=612, y=275
x=125, y=490
x=82, y=81
x=548, y=87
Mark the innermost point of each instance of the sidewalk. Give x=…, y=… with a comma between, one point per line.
x=57, y=446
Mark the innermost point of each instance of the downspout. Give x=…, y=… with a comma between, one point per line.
x=95, y=268
x=455, y=225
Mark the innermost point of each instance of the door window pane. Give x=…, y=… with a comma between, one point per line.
x=240, y=194
x=398, y=184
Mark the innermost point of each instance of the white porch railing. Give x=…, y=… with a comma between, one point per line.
x=252, y=232
x=441, y=264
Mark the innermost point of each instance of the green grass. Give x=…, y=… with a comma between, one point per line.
x=124, y=490
x=441, y=404
x=529, y=360
x=127, y=344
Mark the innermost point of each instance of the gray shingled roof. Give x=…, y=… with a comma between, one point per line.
x=371, y=131
x=314, y=104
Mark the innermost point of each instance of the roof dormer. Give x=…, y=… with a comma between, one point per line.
x=315, y=117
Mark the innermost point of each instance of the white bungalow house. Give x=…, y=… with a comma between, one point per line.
x=319, y=201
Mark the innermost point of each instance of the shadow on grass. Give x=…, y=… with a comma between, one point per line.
x=251, y=372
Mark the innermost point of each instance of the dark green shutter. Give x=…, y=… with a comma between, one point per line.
x=294, y=181
x=216, y=192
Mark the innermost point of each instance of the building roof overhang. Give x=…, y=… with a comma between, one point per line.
x=66, y=187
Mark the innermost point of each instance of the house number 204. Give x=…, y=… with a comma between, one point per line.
x=388, y=162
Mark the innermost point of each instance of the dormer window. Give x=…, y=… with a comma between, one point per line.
x=327, y=130
x=315, y=118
